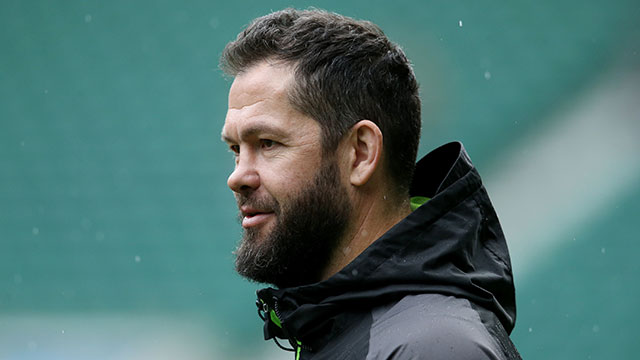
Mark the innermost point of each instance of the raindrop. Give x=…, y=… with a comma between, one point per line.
x=487, y=75
x=35, y=231
x=354, y=272
x=17, y=278
x=460, y=23
x=22, y=143
x=603, y=250
x=530, y=329
x=87, y=18
x=99, y=236
x=137, y=259
x=595, y=328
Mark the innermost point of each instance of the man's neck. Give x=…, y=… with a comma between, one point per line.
x=373, y=219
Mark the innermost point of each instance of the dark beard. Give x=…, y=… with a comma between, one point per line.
x=306, y=233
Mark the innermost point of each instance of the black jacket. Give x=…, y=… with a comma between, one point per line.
x=438, y=285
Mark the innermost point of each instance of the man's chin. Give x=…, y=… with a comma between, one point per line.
x=255, y=257
x=258, y=235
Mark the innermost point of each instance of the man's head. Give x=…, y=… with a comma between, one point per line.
x=345, y=71
x=308, y=85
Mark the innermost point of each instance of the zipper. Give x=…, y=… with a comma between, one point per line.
x=275, y=317
x=298, y=344
x=298, y=349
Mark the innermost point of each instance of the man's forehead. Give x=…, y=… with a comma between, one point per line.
x=259, y=103
x=263, y=81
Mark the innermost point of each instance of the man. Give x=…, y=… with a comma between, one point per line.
x=373, y=257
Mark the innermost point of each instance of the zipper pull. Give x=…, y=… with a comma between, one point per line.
x=263, y=309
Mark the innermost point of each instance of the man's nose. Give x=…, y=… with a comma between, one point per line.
x=244, y=177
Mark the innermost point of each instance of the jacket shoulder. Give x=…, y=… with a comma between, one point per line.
x=430, y=326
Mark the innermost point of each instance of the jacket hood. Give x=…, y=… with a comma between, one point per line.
x=451, y=245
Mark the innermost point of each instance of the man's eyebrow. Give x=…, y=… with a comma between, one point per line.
x=225, y=138
x=254, y=130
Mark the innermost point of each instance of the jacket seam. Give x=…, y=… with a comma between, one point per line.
x=483, y=225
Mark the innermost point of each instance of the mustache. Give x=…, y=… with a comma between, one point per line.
x=265, y=203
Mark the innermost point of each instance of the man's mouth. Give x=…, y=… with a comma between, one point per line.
x=251, y=217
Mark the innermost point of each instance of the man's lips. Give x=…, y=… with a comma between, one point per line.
x=252, y=217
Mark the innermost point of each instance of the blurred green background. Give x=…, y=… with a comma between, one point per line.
x=116, y=226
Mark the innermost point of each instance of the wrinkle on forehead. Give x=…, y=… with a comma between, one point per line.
x=243, y=107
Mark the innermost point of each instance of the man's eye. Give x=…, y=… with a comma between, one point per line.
x=235, y=149
x=267, y=144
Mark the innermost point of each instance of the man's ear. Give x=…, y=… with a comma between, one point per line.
x=365, y=149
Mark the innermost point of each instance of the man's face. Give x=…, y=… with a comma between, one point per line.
x=293, y=207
